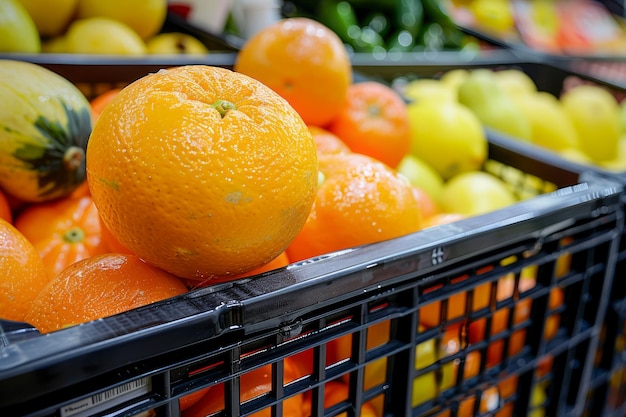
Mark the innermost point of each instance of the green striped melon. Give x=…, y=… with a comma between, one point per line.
x=45, y=123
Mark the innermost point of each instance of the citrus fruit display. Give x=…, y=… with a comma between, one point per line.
x=374, y=122
x=303, y=61
x=202, y=171
x=63, y=231
x=23, y=273
x=97, y=287
x=42, y=141
x=360, y=200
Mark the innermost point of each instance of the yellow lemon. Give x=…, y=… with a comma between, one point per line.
x=550, y=126
x=422, y=175
x=595, y=115
x=99, y=35
x=51, y=16
x=428, y=89
x=476, y=192
x=447, y=136
x=146, y=17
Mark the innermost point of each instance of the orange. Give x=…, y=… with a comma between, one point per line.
x=22, y=270
x=428, y=206
x=335, y=392
x=303, y=61
x=6, y=212
x=359, y=200
x=327, y=142
x=190, y=399
x=109, y=241
x=97, y=287
x=374, y=122
x=63, y=231
x=99, y=102
x=252, y=384
x=202, y=171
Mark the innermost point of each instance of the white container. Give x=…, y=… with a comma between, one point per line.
x=208, y=15
x=253, y=15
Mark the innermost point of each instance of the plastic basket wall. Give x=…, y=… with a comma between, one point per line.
x=501, y=314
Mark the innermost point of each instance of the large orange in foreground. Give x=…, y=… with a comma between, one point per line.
x=202, y=171
x=303, y=61
x=97, y=287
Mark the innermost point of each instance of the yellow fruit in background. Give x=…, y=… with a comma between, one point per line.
x=51, y=16
x=484, y=96
x=175, y=43
x=55, y=45
x=493, y=15
x=551, y=127
x=18, y=32
x=454, y=78
x=421, y=175
x=594, y=113
x=447, y=136
x=476, y=192
x=146, y=17
x=515, y=82
x=575, y=155
x=618, y=164
x=427, y=90
x=99, y=35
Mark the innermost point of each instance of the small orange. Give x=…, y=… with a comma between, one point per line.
x=202, y=171
x=97, y=287
x=22, y=270
x=327, y=142
x=360, y=200
x=374, y=122
x=6, y=212
x=252, y=384
x=188, y=400
x=99, y=102
x=63, y=231
x=303, y=61
x=335, y=392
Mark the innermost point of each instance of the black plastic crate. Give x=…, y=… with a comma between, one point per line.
x=152, y=356
x=468, y=280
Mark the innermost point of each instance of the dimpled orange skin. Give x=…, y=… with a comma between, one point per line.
x=303, y=61
x=194, y=193
x=22, y=273
x=97, y=287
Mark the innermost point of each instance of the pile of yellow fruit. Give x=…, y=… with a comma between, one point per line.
x=584, y=124
x=91, y=27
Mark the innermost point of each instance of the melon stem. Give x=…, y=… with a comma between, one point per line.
x=73, y=158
